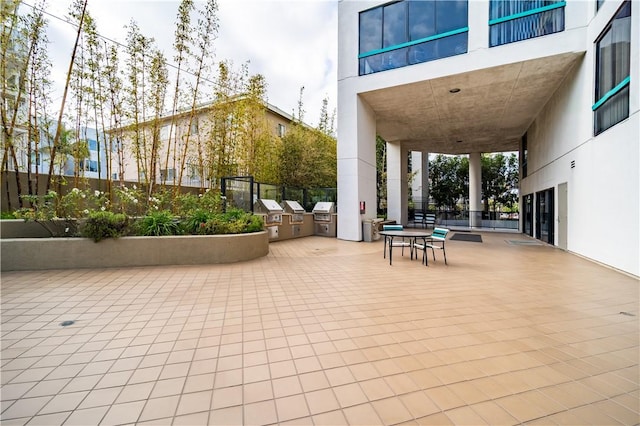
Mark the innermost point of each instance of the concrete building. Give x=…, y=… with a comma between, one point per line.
x=555, y=80
x=198, y=129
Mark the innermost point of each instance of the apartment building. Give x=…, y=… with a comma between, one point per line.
x=181, y=138
x=555, y=80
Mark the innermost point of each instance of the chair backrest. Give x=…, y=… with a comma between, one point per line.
x=439, y=233
x=392, y=227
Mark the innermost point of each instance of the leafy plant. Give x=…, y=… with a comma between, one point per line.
x=157, y=223
x=105, y=224
x=235, y=221
x=196, y=221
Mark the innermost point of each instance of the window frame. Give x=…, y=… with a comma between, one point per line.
x=620, y=86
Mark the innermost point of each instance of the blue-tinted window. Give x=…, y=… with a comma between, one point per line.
x=451, y=15
x=422, y=19
x=410, y=32
x=511, y=21
x=93, y=145
x=613, y=65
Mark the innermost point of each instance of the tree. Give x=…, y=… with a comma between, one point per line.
x=447, y=185
x=499, y=180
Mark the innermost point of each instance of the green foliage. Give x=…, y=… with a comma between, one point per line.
x=105, y=224
x=195, y=221
x=308, y=159
x=7, y=215
x=157, y=223
x=235, y=221
x=449, y=180
x=185, y=204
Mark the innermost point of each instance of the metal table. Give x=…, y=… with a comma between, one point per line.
x=411, y=235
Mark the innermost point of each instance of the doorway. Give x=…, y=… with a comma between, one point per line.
x=544, y=216
x=527, y=207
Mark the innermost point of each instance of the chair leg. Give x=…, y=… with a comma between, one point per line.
x=444, y=253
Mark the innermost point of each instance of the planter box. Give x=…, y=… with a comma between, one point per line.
x=21, y=254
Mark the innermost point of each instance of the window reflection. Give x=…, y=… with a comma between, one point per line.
x=411, y=32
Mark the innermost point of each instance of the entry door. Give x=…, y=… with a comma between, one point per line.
x=527, y=213
x=544, y=216
x=562, y=215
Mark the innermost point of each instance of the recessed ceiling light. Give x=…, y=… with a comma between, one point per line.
x=459, y=141
x=454, y=90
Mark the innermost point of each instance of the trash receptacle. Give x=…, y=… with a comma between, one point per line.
x=370, y=230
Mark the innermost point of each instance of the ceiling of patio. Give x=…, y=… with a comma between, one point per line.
x=490, y=113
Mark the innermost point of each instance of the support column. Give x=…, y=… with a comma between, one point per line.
x=475, y=190
x=397, y=185
x=356, y=164
x=420, y=183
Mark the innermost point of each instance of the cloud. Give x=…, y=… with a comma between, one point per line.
x=293, y=43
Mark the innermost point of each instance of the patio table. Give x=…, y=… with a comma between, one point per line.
x=411, y=235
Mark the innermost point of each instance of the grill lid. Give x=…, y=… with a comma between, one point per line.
x=292, y=206
x=323, y=207
x=267, y=206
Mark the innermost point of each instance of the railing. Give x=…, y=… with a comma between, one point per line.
x=242, y=191
x=516, y=21
x=467, y=219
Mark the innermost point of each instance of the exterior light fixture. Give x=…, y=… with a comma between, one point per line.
x=454, y=90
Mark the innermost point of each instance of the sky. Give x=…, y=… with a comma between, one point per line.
x=293, y=43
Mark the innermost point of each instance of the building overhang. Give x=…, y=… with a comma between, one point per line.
x=484, y=110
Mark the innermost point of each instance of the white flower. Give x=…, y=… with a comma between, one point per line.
x=102, y=208
x=83, y=195
x=85, y=211
x=75, y=190
x=135, y=201
x=135, y=187
x=96, y=193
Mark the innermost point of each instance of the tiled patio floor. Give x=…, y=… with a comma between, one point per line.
x=323, y=331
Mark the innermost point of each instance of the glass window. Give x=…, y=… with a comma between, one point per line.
x=410, y=32
x=93, y=145
x=511, y=21
x=371, y=30
x=613, y=55
x=422, y=19
x=394, y=24
x=451, y=15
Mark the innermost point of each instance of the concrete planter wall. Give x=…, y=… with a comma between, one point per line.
x=20, y=254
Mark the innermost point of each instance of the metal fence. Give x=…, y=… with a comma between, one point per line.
x=243, y=191
x=467, y=219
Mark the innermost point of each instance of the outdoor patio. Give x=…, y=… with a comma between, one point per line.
x=324, y=331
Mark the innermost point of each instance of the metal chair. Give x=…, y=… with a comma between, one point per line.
x=439, y=235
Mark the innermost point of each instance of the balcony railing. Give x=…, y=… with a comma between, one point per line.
x=509, y=24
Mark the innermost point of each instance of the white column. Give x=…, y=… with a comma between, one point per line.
x=356, y=164
x=420, y=183
x=475, y=189
x=397, y=185
x=425, y=180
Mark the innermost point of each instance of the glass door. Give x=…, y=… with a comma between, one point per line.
x=544, y=216
x=527, y=210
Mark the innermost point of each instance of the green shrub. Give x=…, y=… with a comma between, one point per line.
x=195, y=221
x=157, y=223
x=7, y=215
x=235, y=221
x=104, y=224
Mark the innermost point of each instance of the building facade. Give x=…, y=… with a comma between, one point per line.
x=182, y=138
x=555, y=80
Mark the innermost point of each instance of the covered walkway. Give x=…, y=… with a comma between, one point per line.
x=323, y=331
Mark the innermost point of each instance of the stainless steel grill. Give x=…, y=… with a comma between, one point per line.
x=271, y=209
x=295, y=209
x=324, y=219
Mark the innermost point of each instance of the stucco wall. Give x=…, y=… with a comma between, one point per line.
x=65, y=253
x=604, y=184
